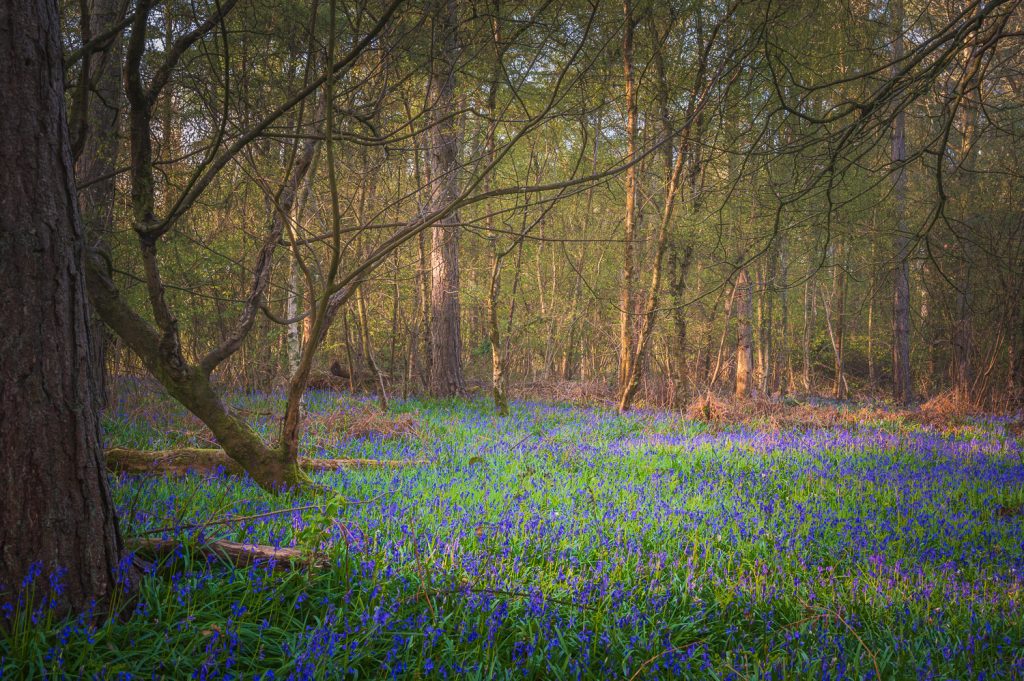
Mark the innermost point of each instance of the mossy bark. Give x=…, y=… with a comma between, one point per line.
x=273, y=468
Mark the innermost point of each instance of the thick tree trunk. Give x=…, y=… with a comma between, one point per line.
x=446, y=377
x=57, y=511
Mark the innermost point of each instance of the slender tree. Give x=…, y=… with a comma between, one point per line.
x=901, y=380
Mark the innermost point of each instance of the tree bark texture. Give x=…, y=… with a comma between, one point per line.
x=446, y=376
x=57, y=513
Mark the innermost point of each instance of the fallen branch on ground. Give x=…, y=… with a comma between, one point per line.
x=198, y=460
x=239, y=555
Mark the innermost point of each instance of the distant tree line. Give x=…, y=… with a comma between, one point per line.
x=665, y=198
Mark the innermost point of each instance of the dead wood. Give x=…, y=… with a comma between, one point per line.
x=239, y=555
x=210, y=461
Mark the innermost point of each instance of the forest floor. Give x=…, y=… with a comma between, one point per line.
x=564, y=542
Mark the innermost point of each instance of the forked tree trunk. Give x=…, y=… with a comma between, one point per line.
x=446, y=377
x=57, y=510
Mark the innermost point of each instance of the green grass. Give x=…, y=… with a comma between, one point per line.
x=569, y=543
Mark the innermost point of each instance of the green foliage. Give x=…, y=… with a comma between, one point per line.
x=572, y=542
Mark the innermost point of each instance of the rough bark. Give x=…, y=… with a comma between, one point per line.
x=446, y=376
x=57, y=511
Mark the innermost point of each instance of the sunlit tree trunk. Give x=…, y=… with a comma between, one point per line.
x=629, y=224
x=744, y=334
x=446, y=376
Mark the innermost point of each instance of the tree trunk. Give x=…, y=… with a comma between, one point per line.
x=872, y=372
x=297, y=328
x=901, y=379
x=58, y=514
x=371, y=360
x=498, y=386
x=963, y=371
x=808, y=326
x=446, y=377
x=680, y=258
x=839, y=288
x=963, y=331
x=783, y=358
x=100, y=102
x=626, y=285
x=744, y=334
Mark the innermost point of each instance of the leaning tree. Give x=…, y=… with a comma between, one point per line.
x=343, y=75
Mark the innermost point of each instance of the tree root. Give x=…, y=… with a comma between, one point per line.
x=239, y=555
x=209, y=461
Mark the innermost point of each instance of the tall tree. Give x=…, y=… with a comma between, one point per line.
x=629, y=224
x=446, y=376
x=57, y=508
x=901, y=382
x=744, y=333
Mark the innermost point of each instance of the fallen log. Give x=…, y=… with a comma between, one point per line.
x=239, y=555
x=208, y=461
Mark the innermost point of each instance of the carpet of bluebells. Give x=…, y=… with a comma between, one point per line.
x=564, y=542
